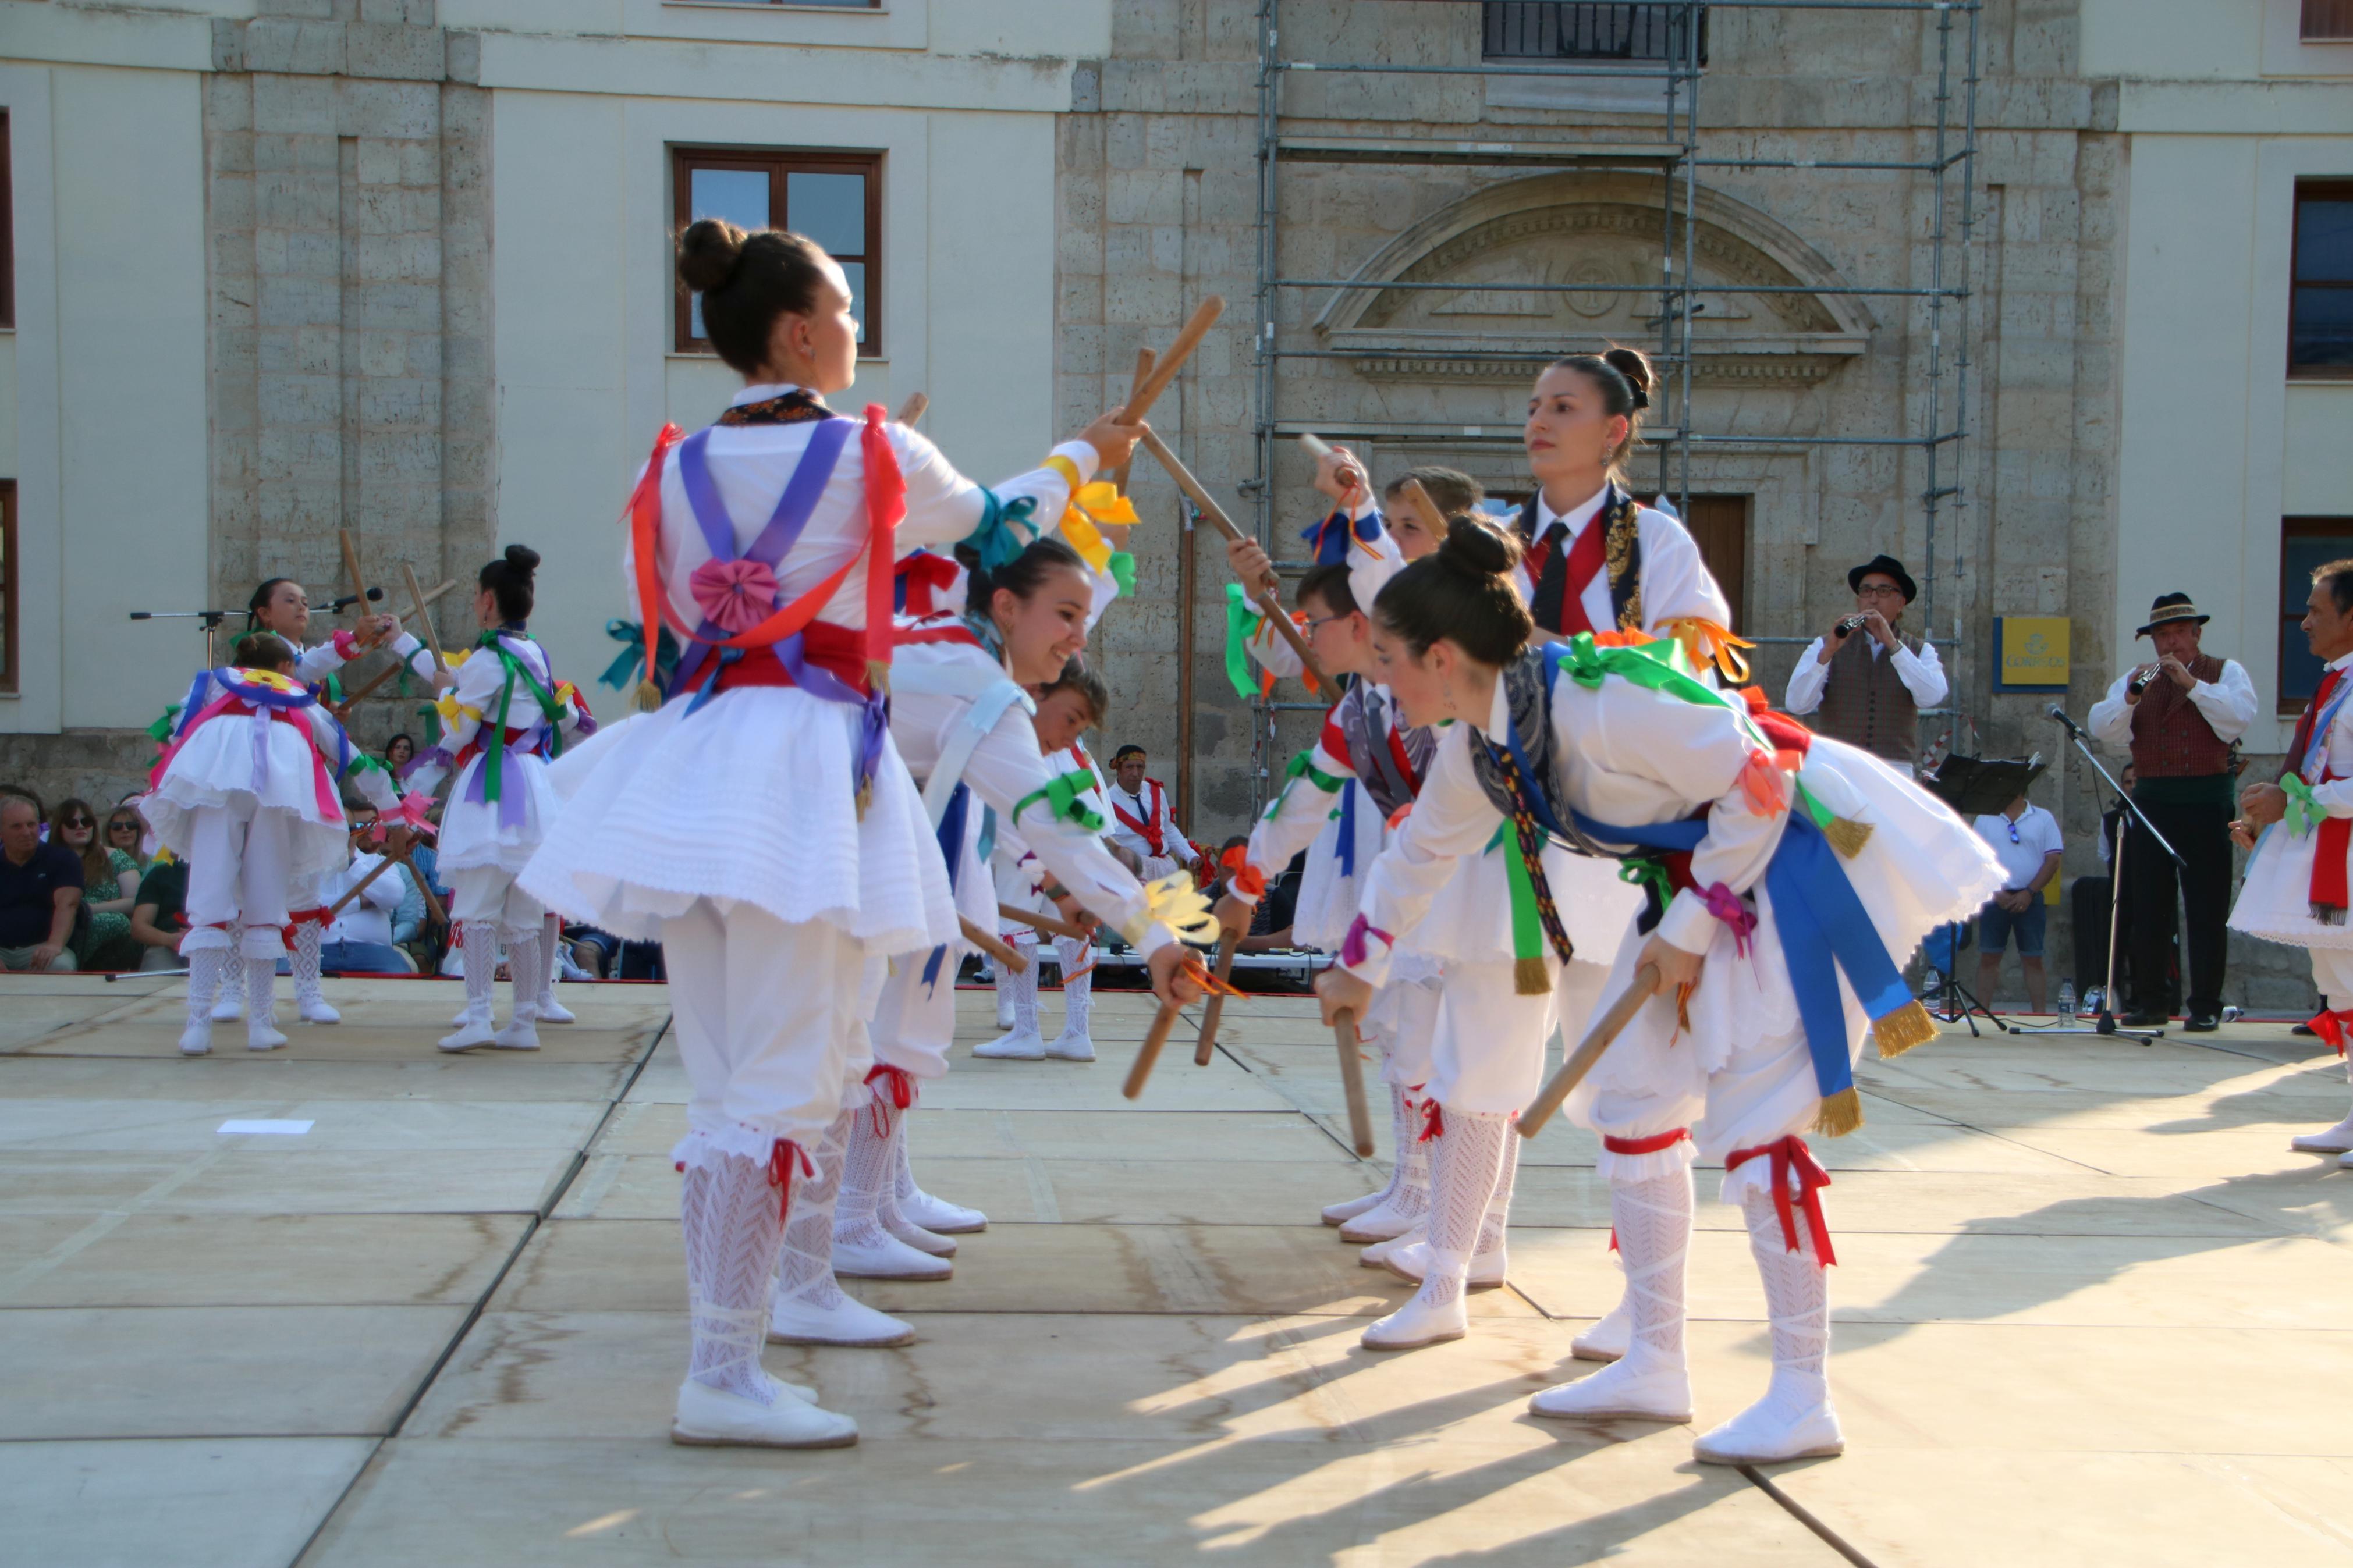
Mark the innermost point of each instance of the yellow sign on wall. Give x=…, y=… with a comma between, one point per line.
x=2030, y=653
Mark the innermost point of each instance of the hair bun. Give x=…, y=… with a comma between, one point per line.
x=1478, y=549
x=522, y=558
x=708, y=253
x=1632, y=364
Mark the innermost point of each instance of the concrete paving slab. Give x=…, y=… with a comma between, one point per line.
x=159, y=1037
x=274, y=1075
x=1202, y=1136
x=336, y=1125
x=267, y=1261
x=214, y=1371
x=215, y=1502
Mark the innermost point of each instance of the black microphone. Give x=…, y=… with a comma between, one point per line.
x=348, y=600
x=2061, y=714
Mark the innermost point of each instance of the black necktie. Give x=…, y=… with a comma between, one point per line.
x=1552, y=584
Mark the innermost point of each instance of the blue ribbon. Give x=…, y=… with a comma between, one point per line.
x=1328, y=540
x=1824, y=928
x=994, y=537
x=1348, y=828
x=951, y=837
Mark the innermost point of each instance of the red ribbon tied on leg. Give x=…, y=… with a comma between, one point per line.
x=1433, y=1121
x=1790, y=1155
x=781, y=1156
x=900, y=1088
x=2329, y=1027
x=736, y=595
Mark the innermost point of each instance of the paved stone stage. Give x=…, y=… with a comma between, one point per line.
x=2090, y=1310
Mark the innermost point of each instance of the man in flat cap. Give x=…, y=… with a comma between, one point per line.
x=1867, y=680
x=2179, y=715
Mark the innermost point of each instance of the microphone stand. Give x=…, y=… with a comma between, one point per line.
x=211, y=618
x=2107, y=1023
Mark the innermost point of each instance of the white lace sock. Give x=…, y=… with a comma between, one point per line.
x=551, y=942
x=260, y=992
x=1492, y=1226
x=867, y=1168
x=1653, y=1218
x=205, y=967
x=1077, y=994
x=1025, y=995
x=525, y=973
x=805, y=1269
x=1797, y=1299
x=1464, y=1170
x=480, y=939
x=728, y=1213
x=303, y=960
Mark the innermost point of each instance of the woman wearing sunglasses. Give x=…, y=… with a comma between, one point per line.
x=109, y=873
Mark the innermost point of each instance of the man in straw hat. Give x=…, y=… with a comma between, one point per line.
x=2179, y=716
x=1865, y=680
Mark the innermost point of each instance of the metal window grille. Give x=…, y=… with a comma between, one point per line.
x=1553, y=30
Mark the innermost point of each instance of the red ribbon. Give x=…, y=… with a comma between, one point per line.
x=926, y=576
x=1651, y=1145
x=886, y=503
x=781, y=1155
x=1433, y=1121
x=1787, y=1154
x=899, y=1086
x=2330, y=1027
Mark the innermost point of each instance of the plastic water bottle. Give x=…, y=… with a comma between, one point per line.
x=2066, y=998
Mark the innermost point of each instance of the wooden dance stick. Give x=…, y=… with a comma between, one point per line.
x=424, y=621
x=1144, y=360
x=997, y=951
x=1429, y=509
x=913, y=409
x=352, y=570
x=432, y=904
x=1045, y=923
x=1644, y=985
x=343, y=710
x=1206, y=1046
x=1266, y=598
x=1140, y=403
x=1352, y=1081
x=1149, y=1052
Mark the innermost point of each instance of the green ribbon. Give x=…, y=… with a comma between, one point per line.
x=1651, y=875
x=1527, y=926
x=2303, y=810
x=1122, y=567
x=159, y=730
x=1062, y=797
x=1660, y=665
x=494, y=753
x=1302, y=768
x=1822, y=815
x=994, y=537
x=1243, y=620
x=430, y=713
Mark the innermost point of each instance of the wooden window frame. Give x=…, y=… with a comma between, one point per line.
x=7, y=237
x=10, y=599
x=780, y=163
x=2312, y=190
x=2325, y=21
x=2291, y=609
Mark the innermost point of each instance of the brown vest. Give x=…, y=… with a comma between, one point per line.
x=2171, y=739
x=1867, y=704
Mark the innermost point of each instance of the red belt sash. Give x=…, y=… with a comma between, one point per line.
x=841, y=651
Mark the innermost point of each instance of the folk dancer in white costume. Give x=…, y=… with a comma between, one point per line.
x=2296, y=884
x=281, y=606
x=1775, y=961
x=1143, y=822
x=505, y=720
x=248, y=792
x=963, y=724
x=761, y=824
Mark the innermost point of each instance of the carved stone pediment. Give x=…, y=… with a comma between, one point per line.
x=1604, y=230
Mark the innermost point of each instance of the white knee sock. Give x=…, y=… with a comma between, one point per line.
x=1024, y=993
x=205, y=967
x=480, y=940
x=1499, y=1207
x=1465, y=1168
x=805, y=1265
x=260, y=992
x=867, y=1168
x=1653, y=1219
x=303, y=960
x=551, y=939
x=730, y=1215
x=524, y=974
x=1078, y=983
x=1797, y=1299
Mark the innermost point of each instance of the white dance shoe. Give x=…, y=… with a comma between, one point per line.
x=196, y=1039
x=473, y=1030
x=1781, y=1426
x=1342, y=1213
x=1068, y=1046
x=848, y=1323
x=230, y=1006
x=262, y=1035
x=1378, y=1253
x=1021, y=1045
x=938, y=1215
x=2338, y=1140
x=1644, y=1388
x=712, y=1418
x=873, y=1253
x=1410, y=1260
x=1416, y=1324
x=1384, y=1221
x=521, y=1035
x=1609, y=1339
x=908, y=1233
x=313, y=1009
x=548, y=1010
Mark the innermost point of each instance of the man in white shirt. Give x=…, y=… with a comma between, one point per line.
x=1141, y=818
x=2179, y=715
x=1867, y=680
x=359, y=941
x=2025, y=839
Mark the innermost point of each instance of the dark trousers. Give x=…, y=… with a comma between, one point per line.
x=2201, y=834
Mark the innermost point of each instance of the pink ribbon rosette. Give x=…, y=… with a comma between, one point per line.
x=736, y=595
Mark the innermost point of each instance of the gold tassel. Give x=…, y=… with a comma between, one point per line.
x=650, y=697
x=865, y=798
x=1905, y=1028
x=1840, y=1114
x=878, y=674
x=1528, y=977
x=1847, y=836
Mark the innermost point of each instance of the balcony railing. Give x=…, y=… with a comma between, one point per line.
x=1554, y=30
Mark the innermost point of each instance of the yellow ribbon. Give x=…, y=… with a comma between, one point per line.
x=450, y=707
x=1090, y=505
x=1706, y=643
x=1173, y=902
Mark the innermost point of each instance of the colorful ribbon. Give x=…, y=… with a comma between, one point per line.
x=1353, y=949
x=1733, y=910
x=1790, y=1154
x=899, y=1088
x=1061, y=794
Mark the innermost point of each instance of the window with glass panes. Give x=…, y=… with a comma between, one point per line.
x=2320, y=300
x=2306, y=544
x=835, y=198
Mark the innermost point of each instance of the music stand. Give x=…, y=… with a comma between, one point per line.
x=1974, y=787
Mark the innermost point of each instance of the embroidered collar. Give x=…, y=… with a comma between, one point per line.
x=795, y=406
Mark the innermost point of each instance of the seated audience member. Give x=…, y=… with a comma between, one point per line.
x=398, y=754
x=359, y=941
x=110, y=881
x=159, y=913
x=40, y=892
x=126, y=830
x=2025, y=838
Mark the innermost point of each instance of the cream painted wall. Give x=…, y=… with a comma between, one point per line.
x=108, y=413
x=2217, y=445
x=583, y=289
x=2172, y=39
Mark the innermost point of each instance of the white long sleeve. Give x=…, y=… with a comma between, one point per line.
x=2228, y=704
x=1923, y=675
x=1452, y=817
x=1807, y=681
x=2110, y=720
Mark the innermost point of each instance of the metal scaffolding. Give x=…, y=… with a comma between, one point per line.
x=1666, y=43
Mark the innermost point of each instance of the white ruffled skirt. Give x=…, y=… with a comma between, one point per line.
x=220, y=767
x=2275, y=900
x=753, y=799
